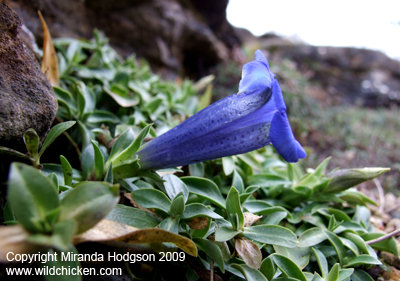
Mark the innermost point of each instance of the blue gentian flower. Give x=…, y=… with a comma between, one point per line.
x=243, y=122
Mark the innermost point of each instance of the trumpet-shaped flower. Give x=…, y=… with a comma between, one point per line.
x=242, y=122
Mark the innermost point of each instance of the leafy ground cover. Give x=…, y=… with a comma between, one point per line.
x=250, y=216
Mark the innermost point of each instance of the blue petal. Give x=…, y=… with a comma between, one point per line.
x=280, y=132
x=256, y=75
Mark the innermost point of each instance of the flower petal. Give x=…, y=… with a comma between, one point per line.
x=256, y=75
x=280, y=133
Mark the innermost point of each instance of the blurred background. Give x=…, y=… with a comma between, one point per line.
x=337, y=62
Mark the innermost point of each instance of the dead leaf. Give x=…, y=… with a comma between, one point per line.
x=14, y=239
x=250, y=218
x=111, y=231
x=49, y=60
x=249, y=252
x=198, y=223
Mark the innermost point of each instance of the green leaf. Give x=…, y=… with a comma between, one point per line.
x=333, y=273
x=205, y=188
x=346, y=178
x=57, y=170
x=12, y=152
x=247, y=193
x=237, y=182
x=67, y=170
x=133, y=217
x=251, y=274
x=212, y=250
x=122, y=96
x=54, y=179
x=152, y=199
x=320, y=170
x=59, y=265
x=98, y=161
x=171, y=224
x=250, y=160
x=387, y=245
x=267, y=180
x=31, y=200
x=126, y=169
x=177, y=205
x=345, y=273
x=234, y=209
x=205, y=99
x=322, y=262
x=272, y=234
x=268, y=268
x=101, y=116
x=362, y=260
x=274, y=218
x=225, y=233
x=129, y=152
x=89, y=202
x=197, y=210
x=288, y=267
x=228, y=164
x=337, y=244
x=85, y=134
x=299, y=255
x=173, y=186
x=361, y=275
x=120, y=144
x=54, y=133
x=32, y=141
x=356, y=198
x=196, y=170
x=109, y=177
x=357, y=240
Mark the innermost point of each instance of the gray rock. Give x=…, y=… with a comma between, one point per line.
x=177, y=37
x=26, y=97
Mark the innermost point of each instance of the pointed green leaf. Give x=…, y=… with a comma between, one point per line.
x=288, y=267
x=212, y=250
x=251, y=274
x=98, y=161
x=234, y=209
x=174, y=185
x=271, y=234
x=89, y=202
x=311, y=237
x=12, y=152
x=362, y=260
x=54, y=133
x=197, y=210
x=300, y=256
x=133, y=217
x=268, y=268
x=237, y=182
x=205, y=188
x=152, y=199
x=31, y=200
x=171, y=224
x=67, y=170
x=228, y=164
x=322, y=262
x=177, y=205
x=129, y=152
x=196, y=169
x=337, y=244
x=225, y=233
x=333, y=273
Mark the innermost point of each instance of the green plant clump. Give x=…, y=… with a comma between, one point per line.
x=250, y=216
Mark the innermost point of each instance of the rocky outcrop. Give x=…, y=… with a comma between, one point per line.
x=350, y=75
x=26, y=97
x=176, y=36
